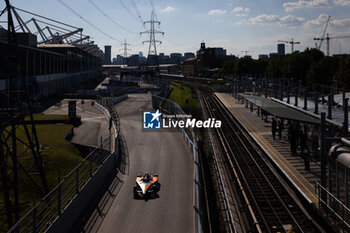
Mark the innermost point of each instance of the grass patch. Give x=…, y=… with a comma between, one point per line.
x=59, y=157
x=185, y=97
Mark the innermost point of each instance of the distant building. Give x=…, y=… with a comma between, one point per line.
x=189, y=66
x=281, y=49
x=220, y=52
x=169, y=68
x=48, y=69
x=108, y=54
x=163, y=59
x=133, y=60
x=341, y=55
x=272, y=55
x=142, y=60
x=188, y=55
x=175, y=58
x=209, y=58
x=120, y=59
x=230, y=57
x=140, y=54
x=152, y=59
x=263, y=57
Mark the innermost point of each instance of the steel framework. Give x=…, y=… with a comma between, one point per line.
x=15, y=108
x=21, y=161
x=50, y=31
x=152, y=50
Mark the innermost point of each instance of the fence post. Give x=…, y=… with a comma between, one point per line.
x=90, y=167
x=346, y=115
x=319, y=196
x=323, y=154
x=34, y=218
x=281, y=90
x=330, y=107
x=305, y=99
x=316, y=103
x=77, y=181
x=59, y=196
x=288, y=92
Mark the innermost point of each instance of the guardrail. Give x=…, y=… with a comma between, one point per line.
x=44, y=213
x=48, y=209
x=168, y=106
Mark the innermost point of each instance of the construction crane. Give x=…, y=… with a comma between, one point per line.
x=323, y=35
x=292, y=42
x=328, y=39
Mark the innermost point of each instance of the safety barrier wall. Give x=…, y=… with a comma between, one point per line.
x=63, y=205
x=169, y=107
x=56, y=202
x=116, y=100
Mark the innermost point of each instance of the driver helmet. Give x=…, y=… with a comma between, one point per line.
x=147, y=176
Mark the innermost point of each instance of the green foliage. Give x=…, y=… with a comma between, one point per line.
x=185, y=97
x=244, y=66
x=323, y=71
x=343, y=73
x=59, y=157
x=310, y=66
x=294, y=65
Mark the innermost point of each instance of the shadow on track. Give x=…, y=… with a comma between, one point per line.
x=124, y=164
x=99, y=207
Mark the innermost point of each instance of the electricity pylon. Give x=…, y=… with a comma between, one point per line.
x=152, y=50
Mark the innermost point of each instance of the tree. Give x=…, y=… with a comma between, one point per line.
x=343, y=73
x=323, y=72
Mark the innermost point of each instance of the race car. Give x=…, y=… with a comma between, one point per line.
x=146, y=186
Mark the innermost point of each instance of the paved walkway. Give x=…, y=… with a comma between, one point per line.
x=94, y=123
x=278, y=150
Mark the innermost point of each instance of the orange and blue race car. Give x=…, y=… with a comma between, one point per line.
x=146, y=186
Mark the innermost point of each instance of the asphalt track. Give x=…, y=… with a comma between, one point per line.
x=162, y=152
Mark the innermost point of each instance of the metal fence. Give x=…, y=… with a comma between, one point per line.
x=169, y=107
x=332, y=205
x=44, y=213
x=51, y=207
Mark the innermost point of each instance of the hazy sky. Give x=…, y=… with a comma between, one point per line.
x=236, y=25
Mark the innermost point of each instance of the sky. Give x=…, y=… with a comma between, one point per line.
x=235, y=25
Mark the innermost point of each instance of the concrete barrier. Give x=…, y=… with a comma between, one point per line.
x=76, y=208
x=116, y=100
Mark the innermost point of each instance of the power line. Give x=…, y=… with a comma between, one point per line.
x=137, y=10
x=107, y=16
x=152, y=5
x=155, y=15
x=88, y=22
x=127, y=9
